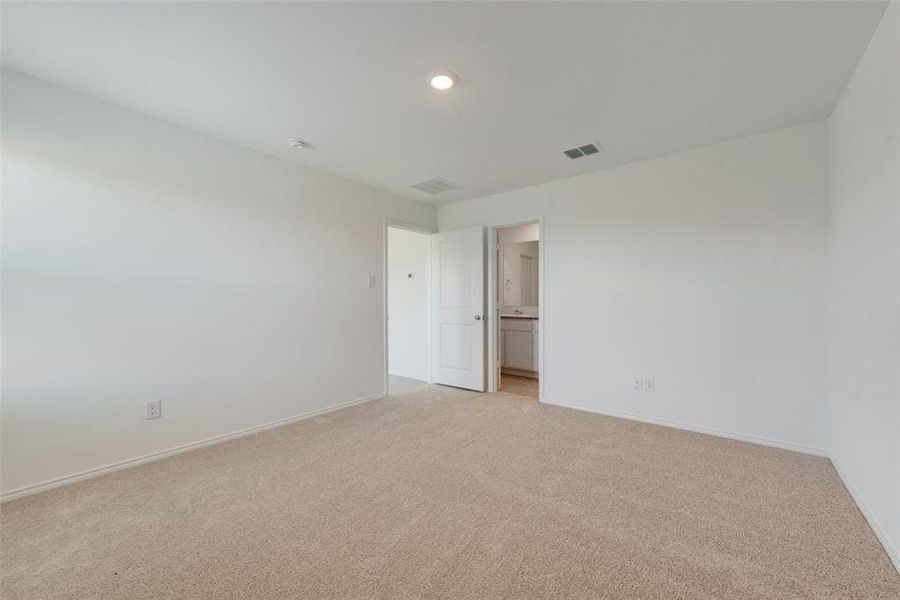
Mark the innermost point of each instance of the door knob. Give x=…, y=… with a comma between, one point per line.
x=477, y=317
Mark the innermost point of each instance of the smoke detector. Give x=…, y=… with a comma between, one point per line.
x=296, y=144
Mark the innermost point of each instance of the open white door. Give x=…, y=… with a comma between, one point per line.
x=458, y=308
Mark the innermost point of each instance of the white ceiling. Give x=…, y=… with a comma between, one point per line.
x=642, y=79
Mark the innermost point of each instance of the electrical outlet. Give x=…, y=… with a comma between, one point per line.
x=371, y=282
x=637, y=383
x=650, y=384
x=153, y=410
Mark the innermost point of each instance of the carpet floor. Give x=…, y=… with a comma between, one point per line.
x=398, y=383
x=438, y=492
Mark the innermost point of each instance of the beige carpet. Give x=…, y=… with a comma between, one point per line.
x=443, y=493
x=398, y=383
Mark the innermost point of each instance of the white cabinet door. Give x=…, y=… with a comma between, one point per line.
x=458, y=313
x=517, y=350
x=535, y=349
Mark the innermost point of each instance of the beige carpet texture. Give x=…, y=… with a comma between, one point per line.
x=442, y=493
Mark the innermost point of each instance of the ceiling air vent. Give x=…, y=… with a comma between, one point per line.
x=435, y=186
x=581, y=151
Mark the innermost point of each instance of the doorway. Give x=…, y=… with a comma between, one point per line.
x=517, y=286
x=408, y=307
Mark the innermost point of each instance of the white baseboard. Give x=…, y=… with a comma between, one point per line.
x=139, y=460
x=696, y=428
x=892, y=551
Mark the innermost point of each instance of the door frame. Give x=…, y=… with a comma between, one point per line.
x=494, y=303
x=389, y=223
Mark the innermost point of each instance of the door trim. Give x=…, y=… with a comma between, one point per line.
x=389, y=223
x=493, y=354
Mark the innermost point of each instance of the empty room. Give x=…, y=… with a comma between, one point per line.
x=450, y=300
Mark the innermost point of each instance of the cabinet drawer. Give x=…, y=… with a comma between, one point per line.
x=517, y=324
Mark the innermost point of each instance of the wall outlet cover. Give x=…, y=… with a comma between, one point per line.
x=153, y=409
x=650, y=384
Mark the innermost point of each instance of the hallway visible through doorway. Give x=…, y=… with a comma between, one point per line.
x=408, y=308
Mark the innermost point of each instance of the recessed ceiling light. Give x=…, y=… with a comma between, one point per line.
x=296, y=144
x=443, y=80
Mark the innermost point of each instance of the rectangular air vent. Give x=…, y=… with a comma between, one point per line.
x=581, y=151
x=435, y=186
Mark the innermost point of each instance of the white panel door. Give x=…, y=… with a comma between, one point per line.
x=458, y=315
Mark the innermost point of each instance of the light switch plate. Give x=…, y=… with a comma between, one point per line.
x=637, y=383
x=371, y=281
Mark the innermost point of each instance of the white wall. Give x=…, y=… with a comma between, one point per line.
x=145, y=261
x=704, y=269
x=409, y=347
x=865, y=283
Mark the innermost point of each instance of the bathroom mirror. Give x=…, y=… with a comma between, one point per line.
x=520, y=274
